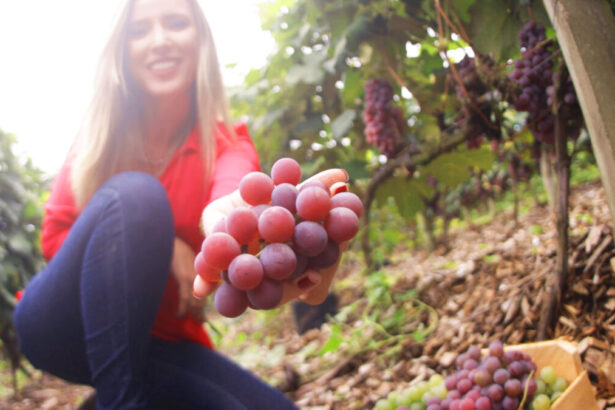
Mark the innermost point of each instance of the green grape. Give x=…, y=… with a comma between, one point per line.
x=439, y=391
x=547, y=374
x=422, y=387
x=541, y=402
x=384, y=404
x=392, y=397
x=426, y=396
x=559, y=385
x=416, y=394
x=556, y=396
x=405, y=398
x=417, y=406
x=541, y=386
x=436, y=380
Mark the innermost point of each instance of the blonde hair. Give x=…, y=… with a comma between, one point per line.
x=102, y=148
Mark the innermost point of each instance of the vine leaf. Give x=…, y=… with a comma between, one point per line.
x=453, y=168
x=342, y=124
x=405, y=192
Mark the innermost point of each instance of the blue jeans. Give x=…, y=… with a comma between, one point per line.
x=87, y=317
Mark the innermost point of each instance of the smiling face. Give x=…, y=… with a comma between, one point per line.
x=162, y=47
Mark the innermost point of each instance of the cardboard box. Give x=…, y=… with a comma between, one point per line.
x=563, y=356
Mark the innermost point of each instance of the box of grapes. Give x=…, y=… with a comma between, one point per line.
x=564, y=359
x=534, y=376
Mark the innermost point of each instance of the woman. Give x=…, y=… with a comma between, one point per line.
x=124, y=212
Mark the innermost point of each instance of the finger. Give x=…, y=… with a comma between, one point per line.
x=309, y=283
x=318, y=293
x=201, y=289
x=219, y=209
x=330, y=176
x=338, y=187
x=196, y=308
x=182, y=305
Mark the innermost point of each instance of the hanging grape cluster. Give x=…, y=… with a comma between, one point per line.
x=534, y=72
x=384, y=123
x=476, y=105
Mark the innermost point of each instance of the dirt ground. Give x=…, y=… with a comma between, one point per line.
x=487, y=283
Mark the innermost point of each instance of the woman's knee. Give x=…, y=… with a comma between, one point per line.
x=140, y=191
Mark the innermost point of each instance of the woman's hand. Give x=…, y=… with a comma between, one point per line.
x=182, y=268
x=313, y=286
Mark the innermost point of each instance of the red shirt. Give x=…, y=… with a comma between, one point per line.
x=185, y=186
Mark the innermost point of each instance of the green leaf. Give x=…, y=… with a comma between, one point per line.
x=304, y=73
x=462, y=8
x=335, y=340
x=20, y=244
x=353, y=88
x=493, y=29
x=342, y=124
x=453, y=168
x=405, y=193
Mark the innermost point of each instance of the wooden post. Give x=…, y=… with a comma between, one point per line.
x=586, y=34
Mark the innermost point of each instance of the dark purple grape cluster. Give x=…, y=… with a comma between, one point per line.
x=534, y=72
x=475, y=125
x=384, y=122
x=497, y=381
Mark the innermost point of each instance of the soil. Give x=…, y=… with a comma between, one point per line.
x=486, y=282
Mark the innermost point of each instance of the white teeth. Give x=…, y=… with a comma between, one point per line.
x=163, y=65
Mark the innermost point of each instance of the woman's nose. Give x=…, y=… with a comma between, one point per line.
x=160, y=37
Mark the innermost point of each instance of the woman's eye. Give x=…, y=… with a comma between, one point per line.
x=137, y=31
x=178, y=24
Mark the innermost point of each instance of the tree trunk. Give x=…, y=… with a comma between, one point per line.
x=548, y=174
x=585, y=31
x=556, y=281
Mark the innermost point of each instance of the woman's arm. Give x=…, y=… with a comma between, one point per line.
x=60, y=213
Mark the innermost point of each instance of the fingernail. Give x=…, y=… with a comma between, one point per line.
x=338, y=187
x=345, y=173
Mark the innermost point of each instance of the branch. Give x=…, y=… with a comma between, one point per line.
x=407, y=158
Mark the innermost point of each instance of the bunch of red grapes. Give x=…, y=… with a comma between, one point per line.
x=475, y=125
x=534, y=72
x=384, y=123
x=286, y=230
x=497, y=381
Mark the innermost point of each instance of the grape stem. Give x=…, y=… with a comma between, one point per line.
x=525, y=389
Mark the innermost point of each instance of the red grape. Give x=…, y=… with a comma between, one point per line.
x=276, y=224
x=242, y=225
x=219, y=249
x=313, y=204
x=326, y=258
x=206, y=272
x=310, y=238
x=245, y=272
x=255, y=188
x=267, y=295
x=285, y=195
x=230, y=302
x=278, y=260
x=348, y=200
x=286, y=170
x=341, y=224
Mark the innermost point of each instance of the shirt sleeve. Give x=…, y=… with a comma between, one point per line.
x=60, y=213
x=234, y=160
